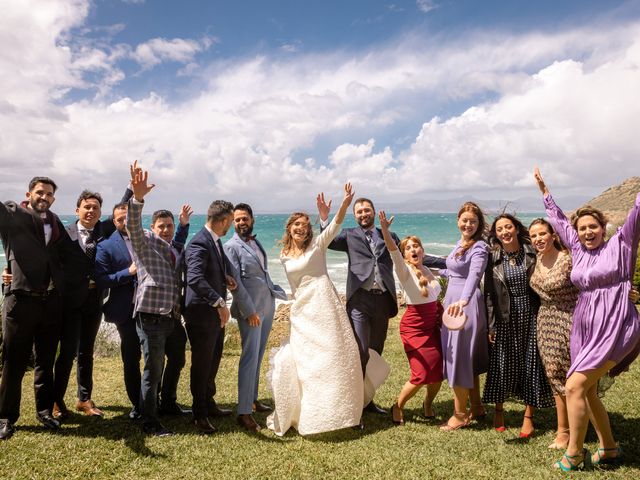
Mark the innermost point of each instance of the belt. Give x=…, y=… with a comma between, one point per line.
x=42, y=294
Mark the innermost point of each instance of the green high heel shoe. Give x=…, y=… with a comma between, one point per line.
x=617, y=460
x=581, y=465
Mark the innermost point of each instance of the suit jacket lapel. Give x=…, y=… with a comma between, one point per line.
x=215, y=249
x=122, y=246
x=250, y=250
x=363, y=236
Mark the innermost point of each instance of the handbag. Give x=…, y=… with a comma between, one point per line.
x=454, y=322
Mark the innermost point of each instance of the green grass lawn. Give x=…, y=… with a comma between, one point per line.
x=91, y=448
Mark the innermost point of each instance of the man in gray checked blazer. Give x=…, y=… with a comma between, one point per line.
x=157, y=302
x=246, y=254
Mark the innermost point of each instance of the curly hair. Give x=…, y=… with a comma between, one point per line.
x=422, y=280
x=472, y=207
x=287, y=239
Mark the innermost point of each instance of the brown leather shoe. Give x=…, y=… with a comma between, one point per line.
x=88, y=408
x=204, y=426
x=247, y=422
x=261, y=407
x=60, y=411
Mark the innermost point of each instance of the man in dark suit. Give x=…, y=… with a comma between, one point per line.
x=371, y=289
x=82, y=304
x=31, y=236
x=209, y=273
x=116, y=270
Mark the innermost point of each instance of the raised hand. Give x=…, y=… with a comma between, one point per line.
x=385, y=222
x=139, y=184
x=541, y=185
x=323, y=207
x=133, y=169
x=185, y=214
x=348, y=193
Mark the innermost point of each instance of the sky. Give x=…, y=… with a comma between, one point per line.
x=271, y=102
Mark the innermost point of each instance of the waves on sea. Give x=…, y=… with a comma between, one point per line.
x=438, y=232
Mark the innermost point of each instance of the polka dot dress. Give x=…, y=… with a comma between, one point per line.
x=515, y=368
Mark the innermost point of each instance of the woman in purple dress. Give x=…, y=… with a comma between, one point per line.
x=466, y=352
x=605, y=335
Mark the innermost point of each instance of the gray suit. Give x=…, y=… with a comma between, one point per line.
x=254, y=276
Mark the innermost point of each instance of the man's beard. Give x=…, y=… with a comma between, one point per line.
x=40, y=206
x=367, y=225
x=245, y=232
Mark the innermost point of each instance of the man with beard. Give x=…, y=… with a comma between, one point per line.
x=249, y=258
x=116, y=270
x=371, y=289
x=31, y=235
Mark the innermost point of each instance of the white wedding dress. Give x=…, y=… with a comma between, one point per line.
x=315, y=376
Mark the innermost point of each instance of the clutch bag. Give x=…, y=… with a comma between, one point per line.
x=454, y=322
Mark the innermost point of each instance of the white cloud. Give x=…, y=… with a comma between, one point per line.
x=425, y=6
x=563, y=101
x=157, y=50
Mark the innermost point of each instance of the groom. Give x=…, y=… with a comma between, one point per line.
x=371, y=289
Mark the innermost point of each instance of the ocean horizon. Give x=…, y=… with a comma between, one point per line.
x=437, y=231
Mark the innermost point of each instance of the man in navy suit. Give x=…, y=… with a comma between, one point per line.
x=209, y=273
x=249, y=258
x=82, y=304
x=116, y=270
x=371, y=289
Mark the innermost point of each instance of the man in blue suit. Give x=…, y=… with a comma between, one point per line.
x=116, y=270
x=209, y=274
x=249, y=258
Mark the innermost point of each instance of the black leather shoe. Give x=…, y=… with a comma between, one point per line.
x=48, y=421
x=157, y=429
x=134, y=414
x=215, y=411
x=172, y=409
x=249, y=423
x=373, y=408
x=261, y=407
x=203, y=425
x=6, y=430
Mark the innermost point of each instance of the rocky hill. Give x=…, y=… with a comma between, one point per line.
x=617, y=201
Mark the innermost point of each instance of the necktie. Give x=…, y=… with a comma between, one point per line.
x=221, y=253
x=369, y=235
x=90, y=246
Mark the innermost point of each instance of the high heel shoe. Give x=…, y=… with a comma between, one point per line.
x=499, y=428
x=581, y=465
x=560, y=446
x=599, y=461
x=529, y=434
x=397, y=416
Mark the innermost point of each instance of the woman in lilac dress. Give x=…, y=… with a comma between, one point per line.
x=466, y=352
x=605, y=335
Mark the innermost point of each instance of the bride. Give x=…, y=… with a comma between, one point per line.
x=315, y=376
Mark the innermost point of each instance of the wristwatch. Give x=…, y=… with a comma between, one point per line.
x=220, y=303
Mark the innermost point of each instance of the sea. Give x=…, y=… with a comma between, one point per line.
x=437, y=231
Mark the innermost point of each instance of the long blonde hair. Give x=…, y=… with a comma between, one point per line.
x=287, y=240
x=423, y=282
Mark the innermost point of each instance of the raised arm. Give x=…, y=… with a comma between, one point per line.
x=557, y=218
x=630, y=231
x=328, y=234
x=140, y=187
x=399, y=265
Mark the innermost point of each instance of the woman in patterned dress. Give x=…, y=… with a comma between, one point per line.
x=605, y=335
x=551, y=280
x=515, y=368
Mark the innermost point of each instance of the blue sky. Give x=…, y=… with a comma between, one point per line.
x=270, y=101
